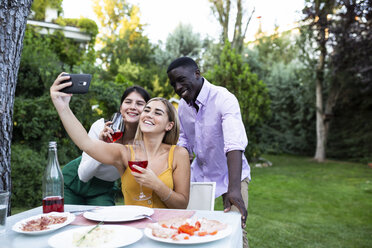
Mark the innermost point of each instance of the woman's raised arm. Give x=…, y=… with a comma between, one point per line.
x=107, y=153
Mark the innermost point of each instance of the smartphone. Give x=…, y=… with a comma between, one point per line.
x=80, y=83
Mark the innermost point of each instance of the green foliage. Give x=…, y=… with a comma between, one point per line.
x=86, y=25
x=351, y=134
x=35, y=119
x=291, y=127
x=251, y=93
x=121, y=37
x=107, y=95
x=39, y=65
x=27, y=172
x=350, y=73
x=116, y=52
x=181, y=42
x=211, y=54
x=69, y=51
x=39, y=7
x=276, y=48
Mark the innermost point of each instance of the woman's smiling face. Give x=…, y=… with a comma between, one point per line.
x=132, y=107
x=154, y=118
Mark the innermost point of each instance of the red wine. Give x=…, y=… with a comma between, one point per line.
x=142, y=164
x=115, y=137
x=53, y=204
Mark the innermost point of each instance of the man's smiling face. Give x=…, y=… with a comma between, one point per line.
x=185, y=82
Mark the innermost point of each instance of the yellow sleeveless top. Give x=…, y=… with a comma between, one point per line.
x=131, y=189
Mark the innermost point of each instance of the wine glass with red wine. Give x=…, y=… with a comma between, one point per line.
x=139, y=158
x=117, y=126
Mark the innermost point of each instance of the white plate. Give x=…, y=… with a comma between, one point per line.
x=17, y=227
x=119, y=213
x=124, y=235
x=193, y=239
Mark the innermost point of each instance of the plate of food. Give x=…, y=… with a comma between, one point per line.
x=119, y=213
x=43, y=223
x=187, y=231
x=96, y=236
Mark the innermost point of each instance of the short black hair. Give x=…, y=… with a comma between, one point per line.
x=145, y=95
x=182, y=61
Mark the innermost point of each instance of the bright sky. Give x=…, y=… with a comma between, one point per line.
x=162, y=16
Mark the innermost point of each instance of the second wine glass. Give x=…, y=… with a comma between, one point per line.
x=139, y=158
x=117, y=126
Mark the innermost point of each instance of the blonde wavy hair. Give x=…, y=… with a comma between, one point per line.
x=171, y=136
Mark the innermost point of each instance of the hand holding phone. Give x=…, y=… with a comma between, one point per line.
x=80, y=83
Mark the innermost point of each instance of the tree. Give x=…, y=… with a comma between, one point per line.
x=341, y=31
x=318, y=12
x=235, y=75
x=351, y=74
x=13, y=16
x=181, y=42
x=222, y=10
x=121, y=35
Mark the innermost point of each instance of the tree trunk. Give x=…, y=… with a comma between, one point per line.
x=239, y=35
x=222, y=12
x=321, y=130
x=237, y=42
x=13, y=19
x=321, y=127
x=221, y=9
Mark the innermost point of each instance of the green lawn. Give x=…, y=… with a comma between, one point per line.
x=300, y=203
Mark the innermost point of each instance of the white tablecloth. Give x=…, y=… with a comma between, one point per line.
x=11, y=239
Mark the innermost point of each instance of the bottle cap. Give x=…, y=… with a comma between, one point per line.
x=52, y=144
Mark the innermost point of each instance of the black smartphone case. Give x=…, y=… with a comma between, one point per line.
x=80, y=83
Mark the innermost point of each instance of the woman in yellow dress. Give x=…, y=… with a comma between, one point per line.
x=167, y=176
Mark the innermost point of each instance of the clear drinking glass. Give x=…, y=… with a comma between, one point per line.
x=4, y=202
x=140, y=159
x=117, y=126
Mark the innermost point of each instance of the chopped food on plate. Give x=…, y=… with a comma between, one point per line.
x=43, y=223
x=183, y=229
x=96, y=237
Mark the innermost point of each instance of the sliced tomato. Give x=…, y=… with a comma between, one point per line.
x=202, y=233
x=186, y=228
x=197, y=225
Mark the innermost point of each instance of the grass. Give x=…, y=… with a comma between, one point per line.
x=301, y=203
x=16, y=210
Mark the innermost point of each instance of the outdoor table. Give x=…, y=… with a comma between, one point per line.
x=12, y=239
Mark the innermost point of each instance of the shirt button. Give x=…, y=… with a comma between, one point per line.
x=149, y=202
